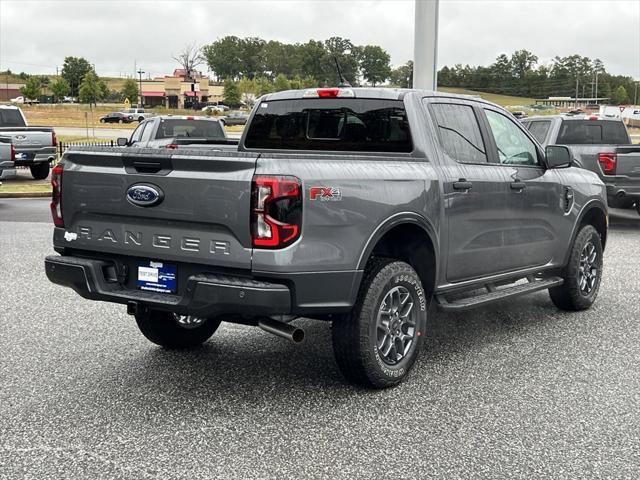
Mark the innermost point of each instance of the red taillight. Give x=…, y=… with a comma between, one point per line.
x=54, y=139
x=276, y=211
x=56, y=196
x=608, y=163
x=328, y=92
x=171, y=145
x=12, y=153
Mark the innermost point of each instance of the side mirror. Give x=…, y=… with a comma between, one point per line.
x=558, y=156
x=123, y=142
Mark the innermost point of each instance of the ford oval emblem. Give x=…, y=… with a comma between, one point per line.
x=144, y=195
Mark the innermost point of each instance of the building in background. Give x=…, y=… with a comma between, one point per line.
x=179, y=90
x=9, y=91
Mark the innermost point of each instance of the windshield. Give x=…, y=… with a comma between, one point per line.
x=585, y=132
x=364, y=125
x=183, y=128
x=10, y=117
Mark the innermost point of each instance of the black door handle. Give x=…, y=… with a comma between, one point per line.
x=462, y=184
x=518, y=185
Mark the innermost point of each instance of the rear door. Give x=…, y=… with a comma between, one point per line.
x=476, y=192
x=202, y=215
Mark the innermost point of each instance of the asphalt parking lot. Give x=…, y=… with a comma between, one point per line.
x=515, y=390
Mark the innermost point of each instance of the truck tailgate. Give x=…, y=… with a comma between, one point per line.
x=201, y=210
x=628, y=162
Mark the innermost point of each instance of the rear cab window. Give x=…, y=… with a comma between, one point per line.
x=184, y=128
x=331, y=124
x=592, y=132
x=10, y=117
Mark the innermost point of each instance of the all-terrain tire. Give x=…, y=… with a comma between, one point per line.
x=571, y=295
x=356, y=335
x=162, y=328
x=40, y=171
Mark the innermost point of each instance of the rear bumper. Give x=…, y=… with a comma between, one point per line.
x=204, y=295
x=34, y=155
x=631, y=190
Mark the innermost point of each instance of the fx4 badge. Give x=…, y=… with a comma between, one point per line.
x=325, y=194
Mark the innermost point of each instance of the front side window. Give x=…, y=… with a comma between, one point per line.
x=459, y=133
x=137, y=133
x=514, y=147
x=146, y=133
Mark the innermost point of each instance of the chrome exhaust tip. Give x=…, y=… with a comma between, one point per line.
x=284, y=330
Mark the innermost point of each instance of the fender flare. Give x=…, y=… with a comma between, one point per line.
x=395, y=220
x=593, y=204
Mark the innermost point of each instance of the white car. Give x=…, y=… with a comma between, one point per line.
x=137, y=113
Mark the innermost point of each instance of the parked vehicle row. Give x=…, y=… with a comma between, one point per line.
x=355, y=206
x=599, y=144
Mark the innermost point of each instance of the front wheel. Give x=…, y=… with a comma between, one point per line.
x=174, y=331
x=378, y=342
x=583, y=273
x=40, y=171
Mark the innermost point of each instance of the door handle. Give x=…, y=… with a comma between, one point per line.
x=462, y=184
x=518, y=185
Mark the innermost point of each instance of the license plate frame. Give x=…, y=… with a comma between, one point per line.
x=157, y=276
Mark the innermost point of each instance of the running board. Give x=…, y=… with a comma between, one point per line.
x=494, y=295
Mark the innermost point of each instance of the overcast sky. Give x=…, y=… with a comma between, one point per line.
x=35, y=36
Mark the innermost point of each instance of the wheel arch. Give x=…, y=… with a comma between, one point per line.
x=593, y=213
x=409, y=237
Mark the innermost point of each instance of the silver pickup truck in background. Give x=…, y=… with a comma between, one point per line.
x=35, y=147
x=171, y=131
x=7, y=155
x=599, y=144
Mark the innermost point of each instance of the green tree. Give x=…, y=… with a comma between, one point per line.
x=374, y=63
x=73, y=71
x=231, y=93
x=60, y=89
x=223, y=57
x=403, y=75
x=32, y=88
x=281, y=83
x=90, y=91
x=251, y=56
x=263, y=86
x=130, y=90
x=620, y=96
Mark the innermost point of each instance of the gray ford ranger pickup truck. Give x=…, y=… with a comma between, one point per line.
x=355, y=206
x=599, y=144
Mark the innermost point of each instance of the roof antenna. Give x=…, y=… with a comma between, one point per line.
x=343, y=82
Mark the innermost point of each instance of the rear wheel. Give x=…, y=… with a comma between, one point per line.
x=583, y=273
x=174, y=331
x=377, y=344
x=40, y=171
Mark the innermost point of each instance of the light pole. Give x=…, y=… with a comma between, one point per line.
x=635, y=95
x=425, y=47
x=140, y=72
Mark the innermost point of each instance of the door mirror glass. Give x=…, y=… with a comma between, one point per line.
x=558, y=156
x=122, y=142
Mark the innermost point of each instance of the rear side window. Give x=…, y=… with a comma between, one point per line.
x=459, y=133
x=585, y=132
x=333, y=124
x=539, y=130
x=10, y=117
x=182, y=128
